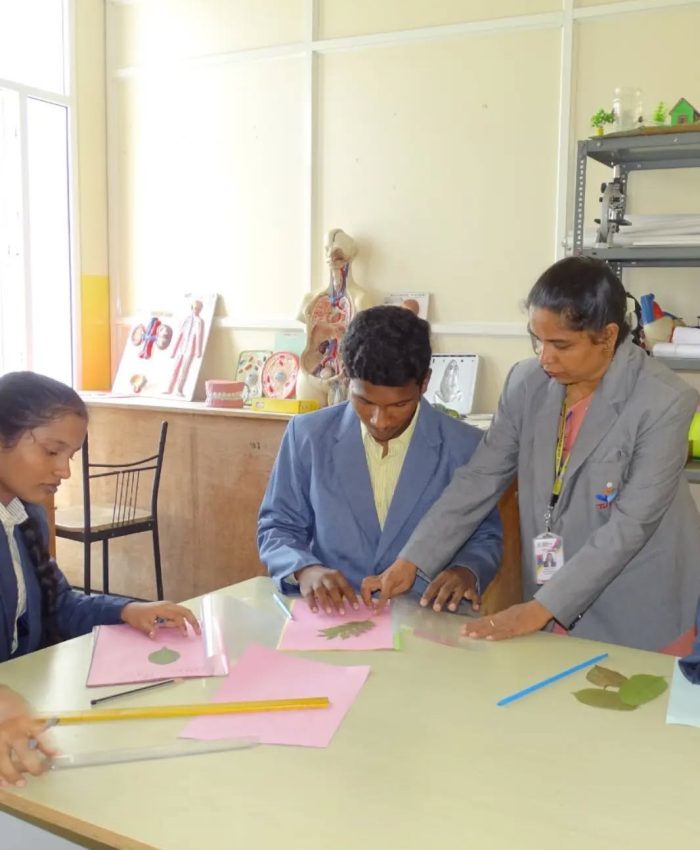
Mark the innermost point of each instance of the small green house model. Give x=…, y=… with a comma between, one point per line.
x=684, y=113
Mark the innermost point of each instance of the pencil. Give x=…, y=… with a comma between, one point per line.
x=100, y=700
x=193, y=710
x=287, y=613
x=564, y=673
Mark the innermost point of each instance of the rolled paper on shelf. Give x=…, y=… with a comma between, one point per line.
x=674, y=349
x=686, y=336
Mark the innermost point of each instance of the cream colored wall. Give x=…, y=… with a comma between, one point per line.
x=425, y=171
x=210, y=188
x=338, y=18
x=91, y=135
x=437, y=149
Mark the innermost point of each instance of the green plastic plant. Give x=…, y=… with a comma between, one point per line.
x=660, y=113
x=601, y=118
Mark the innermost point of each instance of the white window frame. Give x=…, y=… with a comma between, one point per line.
x=68, y=100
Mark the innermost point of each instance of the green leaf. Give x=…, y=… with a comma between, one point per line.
x=605, y=678
x=599, y=698
x=354, y=628
x=642, y=688
x=163, y=656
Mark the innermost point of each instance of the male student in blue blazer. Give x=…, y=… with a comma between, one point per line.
x=352, y=481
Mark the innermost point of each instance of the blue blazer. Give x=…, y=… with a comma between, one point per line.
x=319, y=507
x=76, y=613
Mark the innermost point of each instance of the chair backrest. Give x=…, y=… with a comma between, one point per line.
x=126, y=480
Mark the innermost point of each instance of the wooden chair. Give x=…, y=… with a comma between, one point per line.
x=120, y=514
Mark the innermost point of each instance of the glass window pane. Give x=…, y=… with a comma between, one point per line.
x=32, y=43
x=49, y=239
x=12, y=298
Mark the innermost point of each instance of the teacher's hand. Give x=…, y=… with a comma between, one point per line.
x=322, y=587
x=396, y=579
x=449, y=588
x=513, y=622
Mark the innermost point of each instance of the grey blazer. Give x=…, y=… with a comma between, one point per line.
x=632, y=571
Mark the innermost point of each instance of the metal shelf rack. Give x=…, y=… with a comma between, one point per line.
x=626, y=154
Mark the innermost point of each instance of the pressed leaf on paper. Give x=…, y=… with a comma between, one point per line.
x=164, y=656
x=605, y=678
x=642, y=688
x=599, y=698
x=354, y=628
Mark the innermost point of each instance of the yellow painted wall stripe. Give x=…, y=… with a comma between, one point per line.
x=95, y=371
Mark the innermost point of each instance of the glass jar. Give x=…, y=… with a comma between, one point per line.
x=628, y=109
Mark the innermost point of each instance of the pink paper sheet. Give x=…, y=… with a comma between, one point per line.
x=120, y=656
x=265, y=674
x=306, y=631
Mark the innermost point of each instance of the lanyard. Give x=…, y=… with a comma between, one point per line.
x=560, y=465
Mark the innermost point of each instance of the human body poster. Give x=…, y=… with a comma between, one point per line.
x=164, y=351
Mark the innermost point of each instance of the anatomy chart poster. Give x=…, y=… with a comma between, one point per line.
x=453, y=381
x=164, y=351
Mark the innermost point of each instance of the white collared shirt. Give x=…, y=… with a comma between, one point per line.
x=11, y=516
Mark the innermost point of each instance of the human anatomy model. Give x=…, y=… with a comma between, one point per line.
x=327, y=314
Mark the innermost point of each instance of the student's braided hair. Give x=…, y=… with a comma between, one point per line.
x=28, y=400
x=45, y=568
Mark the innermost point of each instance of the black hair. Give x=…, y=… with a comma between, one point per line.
x=585, y=293
x=387, y=346
x=28, y=400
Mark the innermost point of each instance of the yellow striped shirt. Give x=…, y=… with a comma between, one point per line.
x=384, y=470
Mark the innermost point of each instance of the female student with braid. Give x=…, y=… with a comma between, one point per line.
x=42, y=425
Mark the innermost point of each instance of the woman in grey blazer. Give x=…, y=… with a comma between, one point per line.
x=597, y=434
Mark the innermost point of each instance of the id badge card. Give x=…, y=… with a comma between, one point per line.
x=549, y=555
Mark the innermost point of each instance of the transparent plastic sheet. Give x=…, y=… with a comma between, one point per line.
x=441, y=627
x=236, y=624
x=210, y=620
x=175, y=750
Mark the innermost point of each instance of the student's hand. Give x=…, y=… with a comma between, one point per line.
x=18, y=729
x=148, y=616
x=522, y=619
x=322, y=587
x=396, y=579
x=449, y=588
